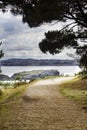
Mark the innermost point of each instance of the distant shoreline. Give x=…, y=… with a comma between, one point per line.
x=66, y=70
x=34, y=65
x=36, y=62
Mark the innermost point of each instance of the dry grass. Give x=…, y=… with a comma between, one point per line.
x=41, y=108
x=76, y=90
x=12, y=93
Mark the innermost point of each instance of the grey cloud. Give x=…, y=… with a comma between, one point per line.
x=20, y=41
x=20, y=49
x=10, y=25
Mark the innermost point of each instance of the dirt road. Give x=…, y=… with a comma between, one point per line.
x=44, y=108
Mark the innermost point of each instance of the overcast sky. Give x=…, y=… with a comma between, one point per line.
x=20, y=41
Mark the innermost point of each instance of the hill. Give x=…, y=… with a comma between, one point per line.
x=36, y=62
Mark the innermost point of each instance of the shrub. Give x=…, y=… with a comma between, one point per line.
x=1, y=92
x=18, y=77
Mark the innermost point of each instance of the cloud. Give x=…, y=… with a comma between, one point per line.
x=10, y=24
x=21, y=41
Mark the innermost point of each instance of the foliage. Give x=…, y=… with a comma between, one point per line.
x=1, y=52
x=18, y=77
x=1, y=55
x=36, y=12
x=17, y=84
x=55, y=41
x=12, y=93
x=82, y=51
x=5, y=84
x=1, y=92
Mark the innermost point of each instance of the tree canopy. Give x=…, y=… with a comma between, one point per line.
x=1, y=55
x=36, y=12
x=1, y=52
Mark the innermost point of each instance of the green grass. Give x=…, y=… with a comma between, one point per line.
x=5, y=85
x=12, y=97
x=1, y=92
x=12, y=93
x=75, y=89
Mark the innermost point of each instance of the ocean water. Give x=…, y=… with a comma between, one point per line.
x=65, y=70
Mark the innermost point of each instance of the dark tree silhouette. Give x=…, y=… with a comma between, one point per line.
x=36, y=12
x=1, y=55
x=55, y=41
x=1, y=52
x=82, y=51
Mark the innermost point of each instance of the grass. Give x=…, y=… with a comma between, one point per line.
x=1, y=92
x=76, y=89
x=11, y=100
x=12, y=93
x=51, y=77
x=5, y=85
x=16, y=114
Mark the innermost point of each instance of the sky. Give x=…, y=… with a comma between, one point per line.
x=21, y=41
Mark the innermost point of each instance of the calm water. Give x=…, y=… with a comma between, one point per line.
x=66, y=70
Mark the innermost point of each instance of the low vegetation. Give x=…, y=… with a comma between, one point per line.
x=7, y=84
x=10, y=100
x=11, y=93
x=22, y=112
x=76, y=90
x=83, y=74
x=1, y=92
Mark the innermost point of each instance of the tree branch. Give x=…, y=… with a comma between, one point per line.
x=80, y=8
x=73, y=27
x=78, y=20
x=67, y=26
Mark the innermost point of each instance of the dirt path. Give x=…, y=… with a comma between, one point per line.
x=44, y=108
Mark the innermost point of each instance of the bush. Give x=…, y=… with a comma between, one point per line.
x=18, y=77
x=18, y=84
x=1, y=92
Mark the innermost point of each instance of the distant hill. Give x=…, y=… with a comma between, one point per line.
x=34, y=74
x=36, y=62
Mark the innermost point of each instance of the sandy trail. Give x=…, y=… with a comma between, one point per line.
x=42, y=88
x=52, y=111
x=44, y=108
